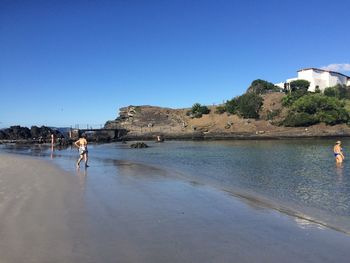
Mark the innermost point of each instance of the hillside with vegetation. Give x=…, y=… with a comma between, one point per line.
x=264, y=110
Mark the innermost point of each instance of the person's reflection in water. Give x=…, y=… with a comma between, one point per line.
x=339, y=171
x=82, y=175
x=52, y=150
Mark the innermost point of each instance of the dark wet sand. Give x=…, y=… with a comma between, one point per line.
x=134, y=215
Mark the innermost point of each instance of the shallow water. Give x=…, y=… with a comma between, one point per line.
x=297, y=177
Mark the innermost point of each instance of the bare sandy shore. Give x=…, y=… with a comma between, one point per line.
x=134, y=214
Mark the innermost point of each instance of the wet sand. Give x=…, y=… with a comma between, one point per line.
x=127, y=213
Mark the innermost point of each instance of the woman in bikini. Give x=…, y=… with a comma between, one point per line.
x=83, y=150
x=338, y=152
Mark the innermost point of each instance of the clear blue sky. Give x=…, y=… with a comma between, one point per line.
x=69, y=62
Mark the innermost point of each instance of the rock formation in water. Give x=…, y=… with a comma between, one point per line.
x=139, y=145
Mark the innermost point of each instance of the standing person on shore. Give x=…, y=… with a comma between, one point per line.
x=52, y=139
x=83, y=150
x=338, y=152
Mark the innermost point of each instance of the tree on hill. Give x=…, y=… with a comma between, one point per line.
x=299, y=85
x=298, y=88
x=260, y=86
x=249, y=104
x=231, y=106
x=198, y=110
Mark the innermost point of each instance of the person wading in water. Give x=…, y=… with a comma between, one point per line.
x=338, y=152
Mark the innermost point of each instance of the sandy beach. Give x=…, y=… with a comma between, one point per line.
x=142, y=214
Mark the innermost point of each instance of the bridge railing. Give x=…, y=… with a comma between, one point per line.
x=87, y=126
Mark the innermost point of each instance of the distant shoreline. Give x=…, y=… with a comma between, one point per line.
x=210, y=137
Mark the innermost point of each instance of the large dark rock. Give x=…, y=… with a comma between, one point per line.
x=23, y=133
x=44, y=133
x=3, y=135
x=35, y=131
x=139, y=145
x=18, y=133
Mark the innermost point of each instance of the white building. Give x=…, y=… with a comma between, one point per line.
x=318, y=78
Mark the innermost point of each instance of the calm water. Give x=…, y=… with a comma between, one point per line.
x=294, y=176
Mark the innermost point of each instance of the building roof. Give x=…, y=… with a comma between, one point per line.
x=325, y=71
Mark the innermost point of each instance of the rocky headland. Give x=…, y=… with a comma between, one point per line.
x=147, y=122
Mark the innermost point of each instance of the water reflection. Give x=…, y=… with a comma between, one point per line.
x=299, y=174
x=52, y=150
x=339, y=169
x=82, y=174
x=138, y=169
x=306, y=224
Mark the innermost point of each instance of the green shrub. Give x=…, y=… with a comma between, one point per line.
x=231, y=106
x=289, y=99
x=331, y=92
x=204, y=110
x=333, y=117
x=338, y=91
x=198, y=110
x=307, y=104
x=344, y=92
x=272, y=114
x=315, y=108
x=317, y=102
x=347, y=105
x=299, y=119
x=195, y=107
x=249, y=104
